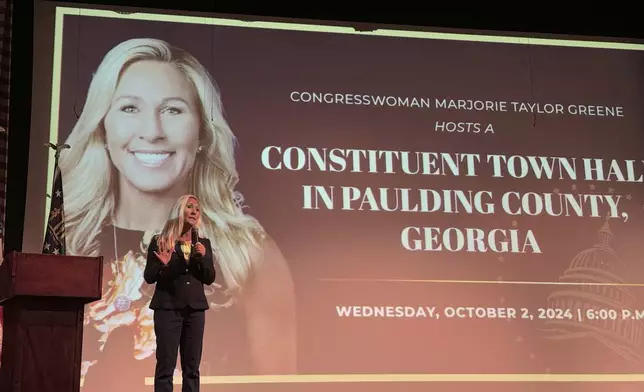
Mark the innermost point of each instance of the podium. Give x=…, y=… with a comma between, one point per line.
x=44, y=299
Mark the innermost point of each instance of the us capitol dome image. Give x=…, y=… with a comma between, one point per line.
x=596, y=278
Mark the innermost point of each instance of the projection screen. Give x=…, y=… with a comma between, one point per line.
x=438, y=209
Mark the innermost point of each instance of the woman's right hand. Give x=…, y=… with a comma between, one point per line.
x=164, y=255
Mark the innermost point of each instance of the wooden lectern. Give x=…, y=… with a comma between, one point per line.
x=44, y=299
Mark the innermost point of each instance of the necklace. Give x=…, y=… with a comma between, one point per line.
x=143, y=246
x=146, y=290
x=116, y=248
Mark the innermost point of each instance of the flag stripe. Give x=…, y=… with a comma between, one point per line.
x=54, y=242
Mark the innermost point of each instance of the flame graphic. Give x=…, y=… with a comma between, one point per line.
x=124, y=303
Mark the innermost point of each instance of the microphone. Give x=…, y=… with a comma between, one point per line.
x=195, y=239
x=195, y=236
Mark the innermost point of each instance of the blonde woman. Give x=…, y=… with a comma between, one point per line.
x=180, y=263
x=151, y=130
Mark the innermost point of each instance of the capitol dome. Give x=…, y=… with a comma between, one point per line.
x=600, y=258
x=595, y=280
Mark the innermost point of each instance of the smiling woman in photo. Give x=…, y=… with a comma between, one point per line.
x=151, y=130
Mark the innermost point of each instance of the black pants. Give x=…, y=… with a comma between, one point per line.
x=178, y=331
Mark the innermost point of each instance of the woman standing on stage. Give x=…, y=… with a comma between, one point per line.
x=180, y=262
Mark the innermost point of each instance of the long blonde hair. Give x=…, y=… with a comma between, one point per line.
x=90, y=178
x=174, y=224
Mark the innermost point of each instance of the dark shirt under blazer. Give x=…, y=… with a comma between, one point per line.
x=179, y=284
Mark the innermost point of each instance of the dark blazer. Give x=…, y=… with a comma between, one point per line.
x=179, y=284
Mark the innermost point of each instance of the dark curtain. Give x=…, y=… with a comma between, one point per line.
x=6, y=9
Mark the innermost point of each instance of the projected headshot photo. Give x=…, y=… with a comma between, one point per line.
x=152, y=129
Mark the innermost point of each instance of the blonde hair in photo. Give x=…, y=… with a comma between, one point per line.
x=90, y=178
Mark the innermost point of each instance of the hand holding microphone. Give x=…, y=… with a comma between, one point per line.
x=200, y=248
